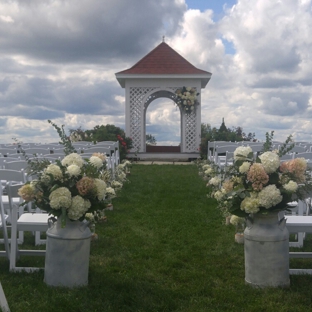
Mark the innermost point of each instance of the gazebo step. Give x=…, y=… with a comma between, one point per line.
x=171, y=157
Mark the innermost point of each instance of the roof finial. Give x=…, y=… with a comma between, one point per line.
x=163, y=38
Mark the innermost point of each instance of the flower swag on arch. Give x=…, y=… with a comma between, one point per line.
x=186, y=98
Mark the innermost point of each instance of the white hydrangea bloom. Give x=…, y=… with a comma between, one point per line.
x=90, y=217
x=250, y=205
x=78, y=207
x=269, y=196
x=110, y=192
x=127, y=163
x=100, y=187
x=121, y=175
x=73, y=159
x=214, y=181
x=242, y=152
x=73, y=170
x=116, y=185
x=244, y=167
x=121, y=167
x=55, y=170
x=270, y=161
x=96, y=161
x=208, y=171
x=235, y=220
x=218, y=195
x=291, y=186
x=60, y=198
x=100, y=155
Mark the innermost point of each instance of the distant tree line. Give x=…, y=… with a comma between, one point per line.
x=234, y=134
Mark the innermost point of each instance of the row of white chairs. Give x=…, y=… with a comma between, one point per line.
x=223, y=154
x=110, y=148
x=216, y=148
x=14, y=218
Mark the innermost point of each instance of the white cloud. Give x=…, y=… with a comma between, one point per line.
x=58, y=59
x=6, y=19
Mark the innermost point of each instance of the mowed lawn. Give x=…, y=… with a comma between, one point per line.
x=164, y=247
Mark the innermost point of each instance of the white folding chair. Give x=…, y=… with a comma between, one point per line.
x=16, y=165
x=297, y=224
x=14, y=176
x=220, y=153
x=229, y=160
x=302, y=209
x=26, y=222
x=3, y=226
x=4, y=160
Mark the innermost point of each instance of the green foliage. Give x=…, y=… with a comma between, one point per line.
x=150, y=140
x=104, y=133
x=65, y=140
x=267, y=146
x=286, y=147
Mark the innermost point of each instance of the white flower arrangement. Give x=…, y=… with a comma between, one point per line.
x=259, y=185
x=186, y=98
x=71, y=187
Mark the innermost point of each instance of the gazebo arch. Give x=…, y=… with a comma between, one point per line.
x=160, y=74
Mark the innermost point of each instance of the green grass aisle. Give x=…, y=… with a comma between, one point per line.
x=164, y=247
x=165, y=228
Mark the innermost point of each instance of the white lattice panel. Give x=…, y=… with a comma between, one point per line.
x=190, y=132
x=137, y=95
x=139, y=102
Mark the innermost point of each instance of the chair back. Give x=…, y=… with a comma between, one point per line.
x=8, y=151
x=306, y=155
x=99, y=149
x=256, y=147
x=287, y=157
x=221, y=150
x=4, y=160
x=13, y=192
x=36, y=151
x=298, y=149
x=16, y=165
x=12, y=175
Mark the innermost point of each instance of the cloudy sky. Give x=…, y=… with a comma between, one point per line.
x=58, y=60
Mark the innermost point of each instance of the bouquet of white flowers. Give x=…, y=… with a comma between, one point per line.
x=71, y=187
x=186, y=98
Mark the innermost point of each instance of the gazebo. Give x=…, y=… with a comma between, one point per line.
x=160, y=74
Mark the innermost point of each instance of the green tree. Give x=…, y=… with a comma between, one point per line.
x=150, y=140
x=105, y=133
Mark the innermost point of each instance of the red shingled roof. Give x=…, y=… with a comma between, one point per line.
x=163, y=60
